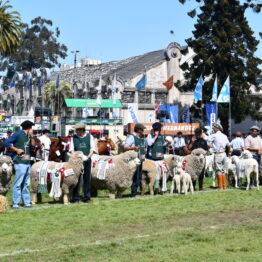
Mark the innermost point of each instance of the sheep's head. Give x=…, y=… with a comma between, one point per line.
x=129, y=155
x=198, y=152
x=234, y=159
x=246, y=154
x=78, y=155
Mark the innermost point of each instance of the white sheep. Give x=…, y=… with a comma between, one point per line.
x=6, y=172
x=186, y=182
x=248, y=167
x=114, y=173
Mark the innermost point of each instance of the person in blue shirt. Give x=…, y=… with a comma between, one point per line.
x=19, y=142
x=237, y=144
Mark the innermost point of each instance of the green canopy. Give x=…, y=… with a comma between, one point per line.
x=92, y=103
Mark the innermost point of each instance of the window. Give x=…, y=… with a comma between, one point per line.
x=128, y=97
x=161, y=98
x=144, y=97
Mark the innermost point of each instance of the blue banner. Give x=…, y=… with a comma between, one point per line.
x=224, y=96
x=169, y=114
x=211, y=112
x=198, y=90
x=214, y=92
x=58, y=80
x=186, y=115
x=141, y=84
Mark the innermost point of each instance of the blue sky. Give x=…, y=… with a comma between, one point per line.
x=117, y=29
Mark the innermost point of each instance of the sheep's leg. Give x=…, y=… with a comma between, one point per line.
x=119, y=194
x=248, y=182
x=172, y=186
x=65, y=199
x=112, y=195
x=178, y=186
x=185, y=188
x=33, y=198
x=191, y=187
x=143, y=184
x=236, y=180
x=257, y=179
x=214, y=178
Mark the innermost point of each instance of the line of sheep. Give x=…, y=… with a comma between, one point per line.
x=117, y=173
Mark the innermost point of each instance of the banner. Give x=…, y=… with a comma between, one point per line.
x=169, y=114
x=211, y=112
x=169, y=83
x=198, y=90
x=169, y=129
x=224, y=96
x=214, y=92
x=132, y=113
x=141, y=84
x=87, y=112
x=186, y=115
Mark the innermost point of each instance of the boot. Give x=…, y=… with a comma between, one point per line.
x=224, y=181
x=220, y=181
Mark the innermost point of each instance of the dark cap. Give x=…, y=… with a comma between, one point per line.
x=139, y=127
x=46, y=131
x=105, y=132
x=157, y=125
x=9, y=131
x=27, y=124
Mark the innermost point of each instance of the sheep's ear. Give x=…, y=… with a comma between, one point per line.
x=69, y=154
x=126, y=159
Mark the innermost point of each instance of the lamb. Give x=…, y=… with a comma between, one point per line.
x=186, y=182
x=248, y=167
x=6, y=172
x=3, y=204
x=176, y=184
x=150, y=170
x=67, y=172
x=114, y=173
x=195, y=164
x=231, y=166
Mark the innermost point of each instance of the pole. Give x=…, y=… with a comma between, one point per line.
x=202, y=116
x=229, y=119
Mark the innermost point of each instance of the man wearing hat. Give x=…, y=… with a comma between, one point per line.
x=237, y=144
x=136, y=142
x=253, y=142
x=19, y=142
x=45, y=142
x=83, y=142
x=156, y=143
x=219, y=142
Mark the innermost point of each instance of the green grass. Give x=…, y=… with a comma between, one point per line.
x=208, y=226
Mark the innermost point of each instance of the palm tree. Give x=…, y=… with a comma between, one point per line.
x=10, y=29
x=55, y=97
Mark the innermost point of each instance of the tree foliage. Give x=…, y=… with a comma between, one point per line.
x=55, y=97
x=39, y=48
x=10, y=29
x=224, y=45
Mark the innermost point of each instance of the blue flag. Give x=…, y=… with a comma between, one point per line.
x=12, y=83
x=198, y=90
x=186, y=115
x=141, y=84
x=224, y=96
x=211, y=112
x=171, y=111
x=214, y=92
x=1, y=84
x=58, y=80
x=27, y=80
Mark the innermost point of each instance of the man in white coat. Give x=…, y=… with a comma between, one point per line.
x=45, y=142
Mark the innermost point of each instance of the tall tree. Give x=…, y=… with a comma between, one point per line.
x=10, y=29
x=39, y=48
x=224, y=45
x=55, y=97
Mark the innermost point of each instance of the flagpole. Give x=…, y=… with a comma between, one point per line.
x=229, y=120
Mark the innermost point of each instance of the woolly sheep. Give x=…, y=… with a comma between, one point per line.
x=118, y=177
x=248, y=167
x=186, y=182
x=6, y=171
x=3, y=204
x=75, y=162
x=149, y=171
x=195, y=163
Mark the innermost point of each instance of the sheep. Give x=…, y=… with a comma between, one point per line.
x=176, y=184
x=72, y=170
x=186, y=182
x=3, y=204
x=6, y=172
x=231, y=166
x=150, y=169
x=248, y=167
x=195, y=164
x=115, y=173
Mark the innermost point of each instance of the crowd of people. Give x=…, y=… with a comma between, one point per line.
x=153, y=146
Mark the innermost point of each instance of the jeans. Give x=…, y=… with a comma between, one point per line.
x=86, y=183
x=21, y=184
x=136, y=180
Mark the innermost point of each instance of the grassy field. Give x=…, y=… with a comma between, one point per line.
x=206, y=226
